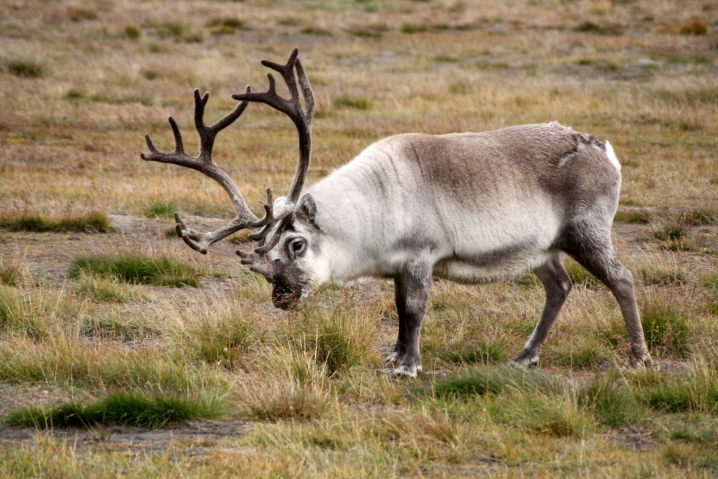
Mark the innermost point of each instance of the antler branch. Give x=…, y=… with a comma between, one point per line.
x=292, y=107
x=203, y=163
x=277, y=214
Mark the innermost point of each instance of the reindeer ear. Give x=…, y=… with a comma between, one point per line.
x=306, y=208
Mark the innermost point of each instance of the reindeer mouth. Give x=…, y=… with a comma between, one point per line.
x=288, y=284
x=286, y=296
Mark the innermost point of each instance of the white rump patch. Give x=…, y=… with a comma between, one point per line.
x=612, y=156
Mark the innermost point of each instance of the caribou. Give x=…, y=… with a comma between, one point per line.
x=467, y=207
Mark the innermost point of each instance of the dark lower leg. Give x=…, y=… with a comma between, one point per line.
x=411, y=305
x=557, y=285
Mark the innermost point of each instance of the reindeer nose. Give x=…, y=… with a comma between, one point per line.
x=285, y=296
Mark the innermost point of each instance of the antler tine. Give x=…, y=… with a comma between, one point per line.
x=203, y=163
x=292, y=107
x=256, y=263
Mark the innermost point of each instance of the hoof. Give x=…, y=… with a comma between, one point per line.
x=524, y=361
x=401, y=372
x=641, y=362
x=392, y=358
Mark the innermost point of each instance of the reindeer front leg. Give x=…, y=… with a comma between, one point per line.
x=411, y=292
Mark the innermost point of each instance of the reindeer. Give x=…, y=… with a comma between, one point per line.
x=467, y=207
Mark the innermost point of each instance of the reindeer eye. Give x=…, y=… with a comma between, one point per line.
x=298, y=246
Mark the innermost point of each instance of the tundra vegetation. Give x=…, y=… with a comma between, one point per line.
x=109, y=366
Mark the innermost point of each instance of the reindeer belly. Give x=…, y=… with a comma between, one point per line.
x=493, y=264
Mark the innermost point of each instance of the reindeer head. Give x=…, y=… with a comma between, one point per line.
x=287, y=239
x=295, y=262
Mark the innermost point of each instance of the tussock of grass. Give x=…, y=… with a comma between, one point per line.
x=698, y=217
x=124, y=409
x=136, y=269
x=106, y=289
x=11, y=272
x=121, y=328
x=413, y=28
x=340, y=339
x=132, y=32
x=661, y=276
x=102, y=365
x=557, y=415
x=79, y=13
x=31, y=314
x=600, y=29
x=219, y=337
x=286, y=400
x=696, y=391
x=611, y=402
x=587, y=352
x=93, y=222
x=664, y=327
x=671, y=232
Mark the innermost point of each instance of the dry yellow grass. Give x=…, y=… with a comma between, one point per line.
x=82, y=82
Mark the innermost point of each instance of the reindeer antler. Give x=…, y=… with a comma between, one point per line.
x=302, y=116
x=276, y=219
x=203, y=163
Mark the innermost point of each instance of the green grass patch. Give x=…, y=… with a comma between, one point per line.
x=553, y=414
x=136, y=269
x=492, y=353
x=160, y=210
x=671, y=232
x=610, y=401
x=698, y=217
x=632, y=217
x=338, y=338
x=124, y=409
x=662, y=276
x=93, y=222
x=375, y=33
x=221, y=338
x=583, y=352
x=133, y=32
x=664, y=327
x=579, y=275
x=31, y=314
x=25, y=69
x=316, y=31
x=180, y=32
x=225, y=26
x=10, y=274
x=115, y=327
x=411, y=28
x=694, y=391
x=355, y=103
x=106, y=289
x=493, y=380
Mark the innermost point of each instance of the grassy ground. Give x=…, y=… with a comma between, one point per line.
x=136, y=376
